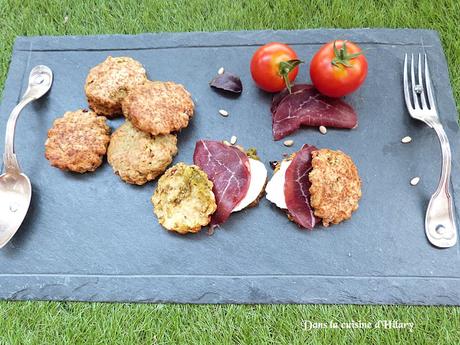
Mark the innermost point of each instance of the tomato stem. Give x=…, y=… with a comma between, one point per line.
x=286, y=67
x=341, y=57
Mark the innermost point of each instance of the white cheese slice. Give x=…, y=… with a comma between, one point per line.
x=256, y=184
x=275, y=187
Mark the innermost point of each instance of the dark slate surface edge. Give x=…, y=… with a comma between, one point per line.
x=238, y=38
x=217, y=290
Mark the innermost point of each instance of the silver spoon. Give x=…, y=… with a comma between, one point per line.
x=15, y=187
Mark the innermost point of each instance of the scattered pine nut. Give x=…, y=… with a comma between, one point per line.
x=221, y=70
x=415, y=181
x=225, y=142
x=406, y=140
x=323, y=129
x=233, y=140
x=289, y=143
x=223, y=112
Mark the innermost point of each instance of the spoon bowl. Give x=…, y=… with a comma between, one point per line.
x=15, y=195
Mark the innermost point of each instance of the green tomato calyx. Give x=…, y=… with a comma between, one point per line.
x=286, y=67
x=341, y=57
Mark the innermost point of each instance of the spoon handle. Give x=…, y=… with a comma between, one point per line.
x=40, y=80
x=9, y=158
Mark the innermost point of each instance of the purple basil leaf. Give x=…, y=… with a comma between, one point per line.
x=227, y=82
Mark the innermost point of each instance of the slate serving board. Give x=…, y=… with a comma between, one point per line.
x=94, y=238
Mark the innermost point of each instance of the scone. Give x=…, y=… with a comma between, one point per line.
x=183, y=200
x=158, y=107
x=138, y=157
x=108, y=83
x=335, y=186
x=77, y=141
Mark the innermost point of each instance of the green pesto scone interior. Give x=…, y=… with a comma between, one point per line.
x=183, y=200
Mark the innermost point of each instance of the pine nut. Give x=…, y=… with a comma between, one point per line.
x=406, y=140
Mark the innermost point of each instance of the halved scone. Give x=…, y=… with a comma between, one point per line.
x=183, y=200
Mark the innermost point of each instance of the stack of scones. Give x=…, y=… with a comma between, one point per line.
x=144, y=145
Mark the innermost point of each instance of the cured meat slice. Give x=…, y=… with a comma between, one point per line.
x=297, y=186
x=306, y=106
x=229, y=170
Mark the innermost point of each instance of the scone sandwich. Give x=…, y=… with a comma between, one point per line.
x=238, y=176
x=315, y=185
x=236, y=180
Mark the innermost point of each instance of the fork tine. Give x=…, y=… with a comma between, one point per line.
x=406, y=86
x=429, y=89
x=412, y=77
x=420, y=82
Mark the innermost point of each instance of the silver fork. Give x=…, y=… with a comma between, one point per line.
x=440, y=226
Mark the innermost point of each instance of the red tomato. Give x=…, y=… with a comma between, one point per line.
x=274, y=66
x=340, y=70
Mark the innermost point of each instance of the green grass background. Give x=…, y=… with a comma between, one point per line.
x=97, y=323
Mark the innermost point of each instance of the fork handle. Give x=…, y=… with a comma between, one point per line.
x=440, y=226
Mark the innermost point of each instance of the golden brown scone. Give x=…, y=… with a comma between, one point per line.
x=110, y=81
x=77, y=141
x=183, y=200
x=138, y=157
x=335, y=186
x=158, y=107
